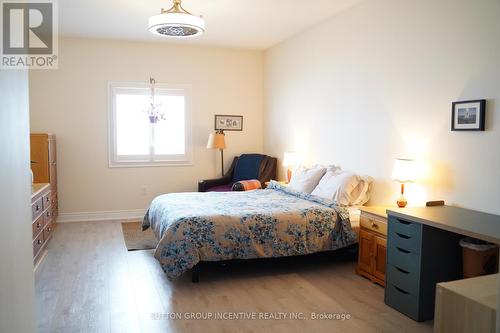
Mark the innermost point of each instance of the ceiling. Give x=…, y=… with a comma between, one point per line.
x=252, y=24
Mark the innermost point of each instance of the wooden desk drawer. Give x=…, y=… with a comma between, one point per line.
x=371, y=223
x=406, y=228
x=38, y=243
x=403, y=259
x=37, y=226
x=36, y=208
x=402, y=301
x=412, y=244
x=409, y=282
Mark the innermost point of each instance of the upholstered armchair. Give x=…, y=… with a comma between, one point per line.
x=244, y=167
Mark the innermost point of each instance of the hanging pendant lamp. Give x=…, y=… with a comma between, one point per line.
x=176, y=22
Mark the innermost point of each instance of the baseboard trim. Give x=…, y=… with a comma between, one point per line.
x=102, y=216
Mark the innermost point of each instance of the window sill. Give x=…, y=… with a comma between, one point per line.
x=149, y=164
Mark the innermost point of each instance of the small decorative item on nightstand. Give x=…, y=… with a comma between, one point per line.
x=372, y=244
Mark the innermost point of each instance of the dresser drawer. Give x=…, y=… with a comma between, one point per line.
x=37, y=226
x=36, y=208
x=403, y=259
x=47, y=216
x=402, y=279
x=412, y=244
x=47, y=200
x=402, y=301
x=371, y=223
x=405, y=228
x=49, y=228
x=38, y=243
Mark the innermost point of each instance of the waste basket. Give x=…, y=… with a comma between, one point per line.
x=479, y=257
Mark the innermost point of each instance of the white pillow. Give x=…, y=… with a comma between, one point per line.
x=339, y=186
x=306, y=179
x=362, y=192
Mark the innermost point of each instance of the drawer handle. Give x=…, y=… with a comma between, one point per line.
x=402, y=250
x=403, y=236
x=374, y=225
x=401, y=270
x=48, y=229
x=38, y=225
x=39, y=242
x=401, y=290
x=37, y=208
x=404, y=222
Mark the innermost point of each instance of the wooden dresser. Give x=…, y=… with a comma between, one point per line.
x=44, y=165
x=42, y=219
x=372, y=244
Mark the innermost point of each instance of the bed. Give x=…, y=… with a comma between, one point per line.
x=275, y=222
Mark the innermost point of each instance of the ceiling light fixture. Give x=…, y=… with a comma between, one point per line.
x=176, y=22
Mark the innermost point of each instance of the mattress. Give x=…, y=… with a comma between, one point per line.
x=275, y=222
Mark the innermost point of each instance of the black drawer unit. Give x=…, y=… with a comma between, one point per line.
x=419, y=257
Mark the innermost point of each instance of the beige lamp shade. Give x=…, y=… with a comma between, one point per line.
x=216, y=141
x=405, y=171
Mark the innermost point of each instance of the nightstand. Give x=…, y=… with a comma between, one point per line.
x=372, y=244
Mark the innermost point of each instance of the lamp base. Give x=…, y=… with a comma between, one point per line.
x=402, y=202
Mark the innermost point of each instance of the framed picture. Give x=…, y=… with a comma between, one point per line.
x=468, y=115
x=228, y=123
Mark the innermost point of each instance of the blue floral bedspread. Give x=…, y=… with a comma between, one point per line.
x=275, y=222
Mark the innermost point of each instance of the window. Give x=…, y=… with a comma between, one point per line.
x=134, y=140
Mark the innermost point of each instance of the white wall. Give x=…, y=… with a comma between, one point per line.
x=377, y=81
x=16, y=249
x=71, y=102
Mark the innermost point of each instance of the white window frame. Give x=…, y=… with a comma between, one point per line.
x=151, y=160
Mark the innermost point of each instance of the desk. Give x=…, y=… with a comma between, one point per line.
x=423, y=250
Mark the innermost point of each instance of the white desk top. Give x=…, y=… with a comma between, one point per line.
x=462, y=221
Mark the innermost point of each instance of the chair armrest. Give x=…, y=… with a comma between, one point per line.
x=205, y=184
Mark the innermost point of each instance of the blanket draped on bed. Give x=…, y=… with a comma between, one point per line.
x=275, y=222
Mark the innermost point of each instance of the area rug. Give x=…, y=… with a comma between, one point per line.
x=136, y=239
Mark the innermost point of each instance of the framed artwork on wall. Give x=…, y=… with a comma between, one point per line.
x=228, y=123
x=468, y=115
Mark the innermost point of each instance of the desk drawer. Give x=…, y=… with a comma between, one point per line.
x=404, y=259
x=405, y=280
x=412, y=244
x=402, y=301
x=405, y=228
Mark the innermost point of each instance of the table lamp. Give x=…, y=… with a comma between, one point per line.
x=404, y=172
x=290, y=159
x=217, y=141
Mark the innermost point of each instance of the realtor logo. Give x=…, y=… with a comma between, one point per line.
x=29, y=34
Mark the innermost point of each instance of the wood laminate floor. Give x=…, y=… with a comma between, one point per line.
x=88, y=282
